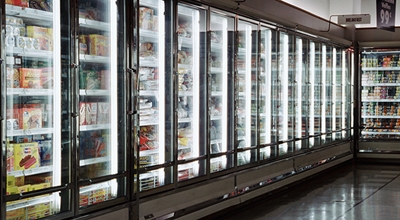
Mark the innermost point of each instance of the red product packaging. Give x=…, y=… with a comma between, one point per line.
x=30, y=78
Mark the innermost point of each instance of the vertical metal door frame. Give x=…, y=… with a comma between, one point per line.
x=3, y=169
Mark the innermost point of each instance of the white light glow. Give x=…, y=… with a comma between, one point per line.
x=196, y=82
x=113, y=140
x=334, y=103
x=161, y=90
x=248, y=85
x=285, y=87
x=268, y=86
x=343, y=98
x=323, y=92
x=312, y=92
x=224, y=86
x=299, y=85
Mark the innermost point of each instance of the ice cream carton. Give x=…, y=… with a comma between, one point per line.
x=26, y=156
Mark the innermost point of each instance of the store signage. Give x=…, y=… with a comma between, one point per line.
x=386, y=13
x=354, y=19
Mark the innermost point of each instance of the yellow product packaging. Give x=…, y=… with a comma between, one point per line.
x=31, y=118
x=26, y=156
x=12, y=190
x=16, y=214
x=10, y=180
x=40, y=186
x=20, y=180
x=98, y=45
x=24, y=188
x=44, y=36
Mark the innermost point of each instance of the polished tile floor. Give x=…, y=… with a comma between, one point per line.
x=350, y=191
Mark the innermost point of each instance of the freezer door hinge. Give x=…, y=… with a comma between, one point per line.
x=74, y=115
x=74, y=65
x=1, y=61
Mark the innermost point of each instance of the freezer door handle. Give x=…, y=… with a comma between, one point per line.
x=1, y=61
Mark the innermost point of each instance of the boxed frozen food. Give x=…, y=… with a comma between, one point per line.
x=98, y=45
x=103, y=113
x=31, y=118
x=146, y=18
x=91, y=113
x=42, y=34
x=19, y=181
x=104, y=79
x=82, y=113
x=26, y=156
x=40, y=186
x=24, y=188
x=10, y=158
x=83, y=44
x=30, y=78
x=11, y=190
x=37, y=179
x=45, y=152
x=10, y=181
x=16, y=214
x=13, y=78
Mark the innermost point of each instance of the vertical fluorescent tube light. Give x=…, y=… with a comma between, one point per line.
x=56, y=102
x=113, y=94
x=312, y=91
x=352, y=92
x=224, y=85
x=284, y=86
x=161, y=90
x=57, y=94
x=323, y=92
x=248, y=84
x=268, y=85
x=343, y=98
x=333, y=89
x=196, y=81
x=299, y=85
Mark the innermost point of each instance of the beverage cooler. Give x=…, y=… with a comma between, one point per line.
x=380, y=95
x=63, y=149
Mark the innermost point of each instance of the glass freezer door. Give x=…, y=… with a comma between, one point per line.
x=98, y=101
x=315, y=121
x=35, y=158
x=221, y=54
x=152, y=91
x=191, y=68
x=246, y=101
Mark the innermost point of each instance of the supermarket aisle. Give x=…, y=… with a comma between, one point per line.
x=363, y=191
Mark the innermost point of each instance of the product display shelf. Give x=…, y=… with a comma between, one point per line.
x=93, y=58
x=96, y=160
x=29, y=92
x=380, y=100
x=28, y=53
x=380, y=116
x=94, y=92
x=92, y=24
x=34, y=131
x=32, y=171
x=98, y=186
x=31, y=202
x=31, y=13
x=94, y=127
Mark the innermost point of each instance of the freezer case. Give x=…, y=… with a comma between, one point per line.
x=220, y=68
x=191, y=95
x=246, y=92
x=100, y=154
x=153, y=147
x=380, y=94
x=33, y=110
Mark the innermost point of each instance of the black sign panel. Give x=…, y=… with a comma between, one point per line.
x=385, y=14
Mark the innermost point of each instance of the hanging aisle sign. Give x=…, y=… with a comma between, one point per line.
x=354, y=19
x=386, y=14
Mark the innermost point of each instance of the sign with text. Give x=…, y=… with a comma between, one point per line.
x=354, y=19
x=385, y=14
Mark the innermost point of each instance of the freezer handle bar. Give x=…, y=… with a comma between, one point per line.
x=86, y=182
x=156, y=167
x=330, y=132
x=192, y=159
x=222, y=153
x=37, y=193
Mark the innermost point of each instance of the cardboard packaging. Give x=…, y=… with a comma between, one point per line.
x=26, y=156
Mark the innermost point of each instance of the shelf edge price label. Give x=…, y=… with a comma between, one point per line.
x=386, y=14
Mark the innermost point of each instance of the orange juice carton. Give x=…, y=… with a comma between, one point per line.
x=31, y=118
x=10, y=181
x=98, y=45
x=103, y=113
x=20, y=180
x=24, y=188
x=26, y=156
x=30, y=78
x=91, y=113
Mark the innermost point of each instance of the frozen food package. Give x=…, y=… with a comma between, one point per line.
x=30, y=78
x=26, y=156
x=146, y=18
